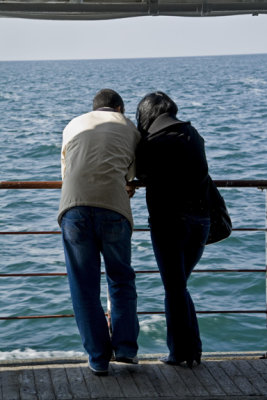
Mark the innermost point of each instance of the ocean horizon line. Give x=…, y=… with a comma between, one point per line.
x=135, y=58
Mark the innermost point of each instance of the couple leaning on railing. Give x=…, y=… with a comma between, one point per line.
x=101, y=151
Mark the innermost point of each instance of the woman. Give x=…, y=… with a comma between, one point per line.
x=171, y=161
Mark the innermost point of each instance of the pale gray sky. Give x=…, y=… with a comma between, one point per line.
x=22, y=39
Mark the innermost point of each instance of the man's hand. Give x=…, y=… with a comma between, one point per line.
x=130, y=190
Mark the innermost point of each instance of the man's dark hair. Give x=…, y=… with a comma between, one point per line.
x=108, y=98
x=151, y=107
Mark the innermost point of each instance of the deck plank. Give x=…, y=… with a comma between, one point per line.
x=10, y=388
x=111, y=386
x=77, y=383
x=94, y=384
x=208, y=381
x=240, y=381
x=158, y=380
x=143, y=382
x=254, y=377
x=43, y=383
x=125, y=380
x=60, y=383
x=260, y=366
x=27, y=384
x=192, y=382
x=175, y=381
x=220, y=376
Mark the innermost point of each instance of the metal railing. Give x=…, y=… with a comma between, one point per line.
x=260, y=184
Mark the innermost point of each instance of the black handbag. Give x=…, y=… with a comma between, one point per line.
x=220, y=221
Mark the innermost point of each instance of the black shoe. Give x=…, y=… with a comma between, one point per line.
x=198, y=358
x=190, y=362
x=127, y=360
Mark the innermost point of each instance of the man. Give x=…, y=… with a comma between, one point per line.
x=97, y=161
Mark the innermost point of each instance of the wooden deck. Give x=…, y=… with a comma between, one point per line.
x=239, y=378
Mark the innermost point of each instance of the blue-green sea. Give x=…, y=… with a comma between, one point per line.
x=225, y=98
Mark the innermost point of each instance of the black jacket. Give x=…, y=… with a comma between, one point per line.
x=171, y=161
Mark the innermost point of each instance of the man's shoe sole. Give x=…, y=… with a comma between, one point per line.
x=99, y=372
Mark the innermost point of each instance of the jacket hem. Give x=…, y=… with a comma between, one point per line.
x=91, y=204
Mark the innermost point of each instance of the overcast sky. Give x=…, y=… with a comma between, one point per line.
x=22, y=39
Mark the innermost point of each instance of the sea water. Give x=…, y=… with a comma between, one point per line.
x=225, y=98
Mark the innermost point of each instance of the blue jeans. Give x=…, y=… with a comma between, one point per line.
x=178, y=244
x=88, y=232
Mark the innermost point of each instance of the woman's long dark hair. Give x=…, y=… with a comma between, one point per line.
x=151, y=107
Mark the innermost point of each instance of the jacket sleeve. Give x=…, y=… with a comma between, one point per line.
x=63, y=163
x=131, y=172
x=66, y=136
x=141, y=161
x=132, y=167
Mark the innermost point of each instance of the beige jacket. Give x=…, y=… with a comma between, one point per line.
x=97, y=160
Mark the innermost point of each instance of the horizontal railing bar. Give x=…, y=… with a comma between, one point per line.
x=262, y=183
x=30, y=184
x=25, y=275
x=135, y=230
x=139, y=313
x=212, y=312
x=30, y=233
x=33, y=274
x=50, y=232
x=37, y=316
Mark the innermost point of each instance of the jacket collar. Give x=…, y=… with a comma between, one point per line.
x=162, y=122
x=110, y=109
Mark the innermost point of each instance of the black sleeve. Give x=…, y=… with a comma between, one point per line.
x=141, y=161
